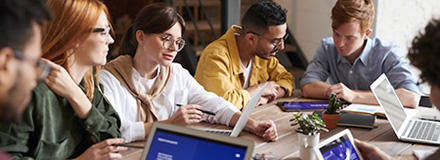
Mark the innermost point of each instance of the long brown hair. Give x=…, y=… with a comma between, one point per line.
x=73, y=24
x=153, y=18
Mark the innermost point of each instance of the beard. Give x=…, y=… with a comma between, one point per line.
x=19, y=97
x=8, y=113
x=260, y=52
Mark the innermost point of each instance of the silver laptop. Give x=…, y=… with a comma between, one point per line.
x=406, y=129
x=248, y=109
x=167, y=142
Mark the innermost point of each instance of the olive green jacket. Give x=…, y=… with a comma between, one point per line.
x=50, y=129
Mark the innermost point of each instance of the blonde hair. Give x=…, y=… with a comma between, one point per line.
x=73, y=23
x=346, y=11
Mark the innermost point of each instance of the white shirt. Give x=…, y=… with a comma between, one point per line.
x=182, y=88
x=143, y=86
x=246, y=73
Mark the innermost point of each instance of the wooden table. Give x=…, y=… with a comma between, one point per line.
x=287, y=145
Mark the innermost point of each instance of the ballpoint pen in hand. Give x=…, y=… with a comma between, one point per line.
x=203, y=111
x=129, y=146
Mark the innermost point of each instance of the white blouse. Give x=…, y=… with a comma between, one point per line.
x=182, y=88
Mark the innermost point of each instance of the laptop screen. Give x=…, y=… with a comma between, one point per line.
x=171, y=145
x=389, y=101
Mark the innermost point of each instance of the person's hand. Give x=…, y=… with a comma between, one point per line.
x=267, y=130
x=271, y=90
x=263, y=100
x=59, y=81
x=103, y=150
x=342, y=92
x=369, y=151
x=185, y=115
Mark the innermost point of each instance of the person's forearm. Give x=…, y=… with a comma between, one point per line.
x=281, y=92
x=407, y=98
x=147, y=128
x=316, y=89
x=250, y=124
x=364, y=97
x=80, y=103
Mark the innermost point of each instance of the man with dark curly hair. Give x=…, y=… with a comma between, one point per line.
x=351, y=61
x=241, y=61
x=425, y=55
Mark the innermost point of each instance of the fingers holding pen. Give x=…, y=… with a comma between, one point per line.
x=187, y=114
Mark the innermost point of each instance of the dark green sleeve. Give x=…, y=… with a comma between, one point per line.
x=103, y=121
x=15, y=137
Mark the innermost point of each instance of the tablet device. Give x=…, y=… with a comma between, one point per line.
x=301, y=106
x=340, y=146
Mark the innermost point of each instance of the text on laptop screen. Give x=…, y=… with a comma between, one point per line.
x=172, y=146
x=391, y=104
x=340, y=148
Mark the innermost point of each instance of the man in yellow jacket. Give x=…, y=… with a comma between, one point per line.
x=242, y=60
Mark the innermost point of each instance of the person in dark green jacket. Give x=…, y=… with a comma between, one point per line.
x=67, y=116
x=20, y=49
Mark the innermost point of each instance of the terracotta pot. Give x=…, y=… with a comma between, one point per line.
x=331, y=120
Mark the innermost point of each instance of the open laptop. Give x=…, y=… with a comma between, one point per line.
x=406, y=129
x=248, y=109
x=167, y=141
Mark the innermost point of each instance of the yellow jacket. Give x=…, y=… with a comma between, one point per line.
x=219, y=71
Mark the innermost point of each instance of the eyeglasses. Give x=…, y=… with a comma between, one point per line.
x=43, y=69
x=168, y=41
x=276, y=42
x=103, y=31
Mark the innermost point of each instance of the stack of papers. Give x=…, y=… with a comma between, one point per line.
x=374, y=110
x=364, y=109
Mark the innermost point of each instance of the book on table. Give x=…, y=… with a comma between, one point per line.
x=364, y=109
x=376, y=110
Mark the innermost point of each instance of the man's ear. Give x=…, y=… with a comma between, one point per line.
x=140, y=36
x=368, y=33
x=250, y=38
x=6, y=62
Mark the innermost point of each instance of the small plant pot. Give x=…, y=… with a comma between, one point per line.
x=331, y=120
x=306, y=144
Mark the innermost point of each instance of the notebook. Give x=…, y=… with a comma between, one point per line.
x=406, y=129
x=354, y=120
x=167, y=141
x=248, y=109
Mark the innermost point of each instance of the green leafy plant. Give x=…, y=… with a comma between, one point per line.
x=308, y=124
x=334, y=104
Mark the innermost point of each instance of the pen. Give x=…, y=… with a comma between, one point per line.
x=203, y=111
x=129, y=146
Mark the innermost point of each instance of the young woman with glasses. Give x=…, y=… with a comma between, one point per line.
x=68, y=116
x=144, y=86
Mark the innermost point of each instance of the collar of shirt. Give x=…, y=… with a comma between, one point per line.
x=363, y=57
x=233, y=51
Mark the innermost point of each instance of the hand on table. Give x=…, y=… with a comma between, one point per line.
x=267, y=130
x=104, y=150
x=342, y=92
x=187, y=114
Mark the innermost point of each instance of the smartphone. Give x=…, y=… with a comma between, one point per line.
x=299, y=106
x=425, y=101
x=430, y=118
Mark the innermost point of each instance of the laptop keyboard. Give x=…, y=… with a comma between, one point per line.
x=425, y=130
x=222, y=132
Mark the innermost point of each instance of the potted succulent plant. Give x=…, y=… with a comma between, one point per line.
x=309, y=129
x=331, y=115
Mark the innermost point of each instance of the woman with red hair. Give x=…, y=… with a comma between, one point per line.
x=68, y=116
